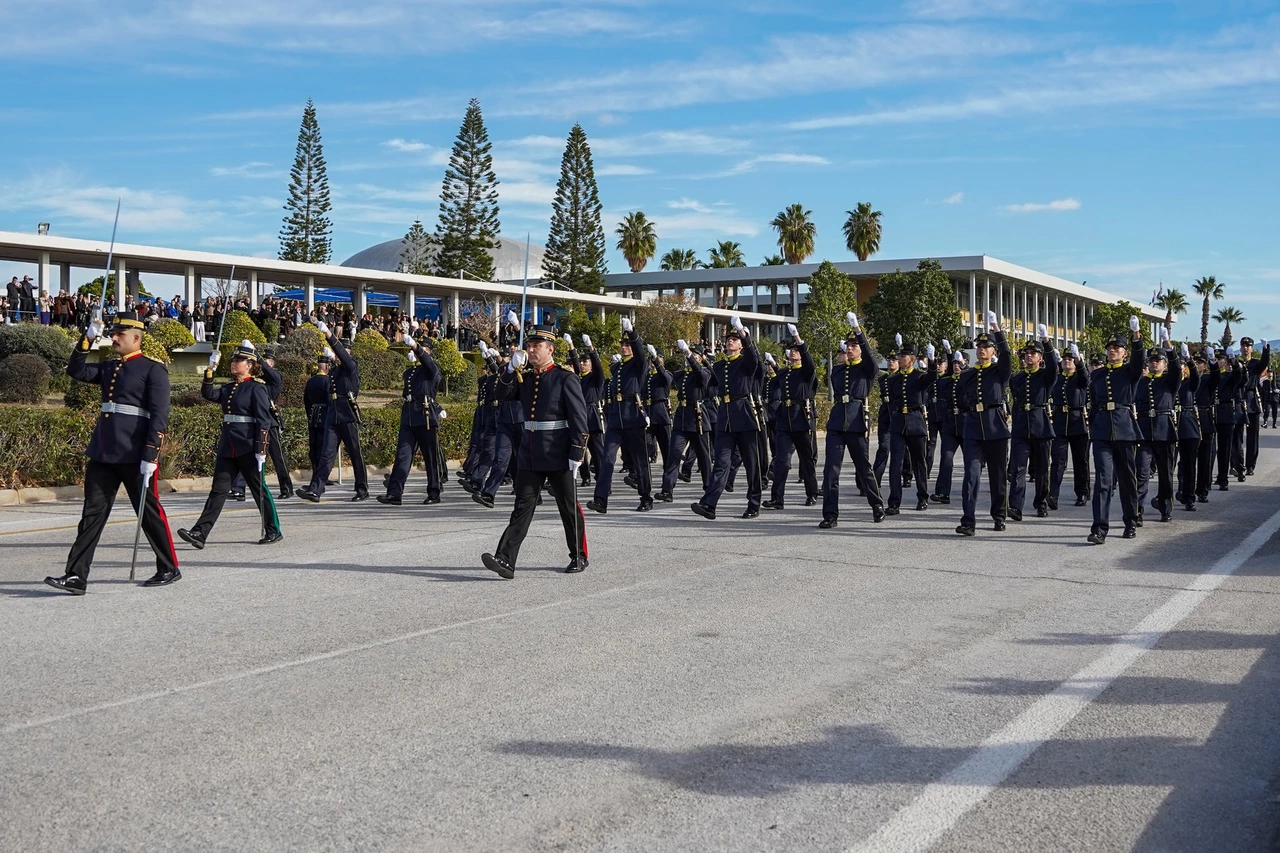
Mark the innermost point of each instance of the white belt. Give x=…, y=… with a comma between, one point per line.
x=122, y=409
x=238, y=419
x=542, y=426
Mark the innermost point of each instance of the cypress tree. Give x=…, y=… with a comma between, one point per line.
x=306, y=233
x=415, y=258
x=468, y=225
x=575, y=245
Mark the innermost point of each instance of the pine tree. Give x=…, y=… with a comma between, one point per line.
x=415, y=258
x=306, y=233
x=468, y=225
x=575, y=245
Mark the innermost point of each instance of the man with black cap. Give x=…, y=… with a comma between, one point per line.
x=950, y=423
x=848, y=426
x=1228, y=415
x=626, y=422
x=690, y=424
x=1069, y=405
x=475, y=472
x=1254, y=369
x=657, y=404
x=1156, y=401
x=591, y=374
x=1032, y=430
x=1270, y=399
x=981, y=392
x=1189, y=434
x=882, y=416
x=124, y=449
x=554, y=438
x=315, y=400
x=242, y=447
x=419, y=423
x=1113, y=429
x=792, y=393
x=342, y=423
x=908, y=391
x=737, y=424
x=13, y=292
x=274, y=381
x=508, y=429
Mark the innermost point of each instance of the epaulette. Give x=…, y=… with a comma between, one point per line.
x=156, y=360
x=566, y=367
x=259, y=380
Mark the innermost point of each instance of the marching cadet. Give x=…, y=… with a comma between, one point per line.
x=792, y=392
x=951, y=422
x=275, y=387
x=657, y=404
x=1113, y=430
x=508, y=434
x=554, y=438
x=1156, y=400
x=767, y=412
x=690, y=424
x=933, y=411
x=908, y=390
x=419, y=423
x=1206, y=416
x=242, y=447
x=627, y=422
x=981, y=392
x=848, y=426
x=1252, y=389
x=1271, y=399
x=591, y=374
x=1189, y=436
x=1069, y=403
x=342, y=423
x=737, y=426
x=882, y=416
x=484, y=434
x=124, y=449
x=1228, y=414
x=315, y=399
x=1032, y=431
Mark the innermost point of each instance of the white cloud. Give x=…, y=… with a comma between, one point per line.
x=689, y=204
x=255, y=169
x=954, y=198
x=622, y=170
x=955, y=10
x=1055, y=206
x=62, y=197
x=702, y=220
x=399, y=144
x=788, y=159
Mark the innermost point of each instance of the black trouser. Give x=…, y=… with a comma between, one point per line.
x=528, y=487
x=477, y=470
x=746, y=444
x=1204, y=460
x=995, y=453
x=950, y=443
x=799, y=442
x=349, y=436
x=276, y=452
x=660, y=434
x=856, y=444
x=595, y=448
x=1237, y=446
x=1157, y=456
x=102, y=482
x=1188, y=468
x=1115, y=467
x=680, y=440
x=315, y=446
x=1271, y=410
x=1251, y=428
x=409, y=439
x=900, y=448
x=934, y=429
x=882, y=450
x=765, y=450
x=630, y=440
x=1078, y=446
x=1227, y=434
x=1029, y=457
x=224, y=469
x=506, y=441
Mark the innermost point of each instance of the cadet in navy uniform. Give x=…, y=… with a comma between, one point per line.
x=1228, y=415
x=1069, y=405
x=342, y=423
x=508, y=430
x=1252, y=385
x=981, y=392
x=591, y=374
x=315, y=399
x=908, y=394
x=689, y=423
x=1189, y=428
x=1156, y=400
x=1271, y=399
x=882, y=416
x=1206, y=411
x=554, y=439
x=848, y=426
x=657, y=405
x=1032, y=430
x=125, y=448
x=242, y=447
x=1113, y=429
x=275, y=387
x=792, y=393
x=419, y=424
x=484, y=433
x=626, y=422
x=737, y=426
x=950, y=423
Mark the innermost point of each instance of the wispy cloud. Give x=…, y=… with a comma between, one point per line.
x=255, y=169
x=64, y=197
x=956, y=10
x=622, y=170
x=704, y=221
x=753, y=163
x=1055, y=206
x=412, y=145
x=954, y=198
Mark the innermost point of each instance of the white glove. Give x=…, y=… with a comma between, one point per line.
x=852, y=318
x=844, y=347
x=616, y=358
x=1164, y=335
x=574, y=465
x=94, y=331
x=1042, y=331
x=769, y=358
x=1075, y=351
x=1133, y=323
x=791, y=330
x=323, y=327
x=586, y=341
x=946, y=345
x=736, y=322
x=1208, y=351
x=511, y=318
x=147, y=470
x=1186, y=352
x=626, y=325
x=924, y=364
x=214, y=359
x=261, y=459
x=929, y=351
x=683, y=346
x=646, y=421
x=653, y=353
x=518, y=360
x=992, y=319
x=568, y=340
x=413, y=359
x=443, y=414
x=958, y=356
x=897, y=339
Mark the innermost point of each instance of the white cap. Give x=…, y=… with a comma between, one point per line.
x=246, y=344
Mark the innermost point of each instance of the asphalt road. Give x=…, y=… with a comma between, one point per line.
x=727, y=685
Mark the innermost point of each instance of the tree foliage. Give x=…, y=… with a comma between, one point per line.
x=415, y=257
x=48, y=342
x=368, y=341
x=24, y=378
x=306, y=234
x=606, y=336
x=668, y=319
x=920, y=304
x=171, y=334
x=822, y=324
x=637, y=240
x=1108, y=320
x=680, y=259
x=862, y=231
x=449, y=360
x=1226, y=315
x=796, y=232
x=1208, y=288
x=468, y=226
x=575, y=244
x=94, y=288
x=774, y=260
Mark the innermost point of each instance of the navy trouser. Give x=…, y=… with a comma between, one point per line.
x=477, y=469
x=409, y=439
x=1188, y=469
x=747, y=444
x=349, y=435
x=934, y=430
x=1143, y=462
x=505, y=443
x=1114, y=467
x=680, y=439
x=631, y=441
x=1032, y=454
x=837, y=443
x=1251, y=435
x=995, y=452
x=1078, y=446
x=275, y=451
x=660, y=434
x=1226, y=446
x=882, y=450
x=1207, y=452
x=904, y=449
x=799, y=442
x=949, y=443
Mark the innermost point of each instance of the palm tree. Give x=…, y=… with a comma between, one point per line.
x=726, y=254
x=637, y=240
x=862, y=231
x=681, y=259
x=1228, y=315
x=1209, y=288
x=795, y=233
x=773, y=261
x=1173, y=302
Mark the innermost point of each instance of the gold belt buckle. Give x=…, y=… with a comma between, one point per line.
x=1066, y=408
x=726, y=398
x=905, y=410
x=844, y=399
x=1026, y=407
x=1111, y=407
x=619, y=398
x=788, y=404
x=980, y=408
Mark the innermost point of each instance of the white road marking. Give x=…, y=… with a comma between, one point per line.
x=926, y=819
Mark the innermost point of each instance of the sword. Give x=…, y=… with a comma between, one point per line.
x=524, y=293
x=226, y=310
x=137, y=531
x=111, y=251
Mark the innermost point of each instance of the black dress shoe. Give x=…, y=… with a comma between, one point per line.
x=497, y=564
x=483, y=499
x=285, y=493
x=71, y=584
x=1166, y=515
x=999, y=526
x=431, y=500
x=703, y=510
x=1249, y=472
x=1096, y=538
x=360, y=496
x=728, y=487
x=239, y=496
x=331, y=482
x=1130, y=532
x=163, y=578
x=1222, y=487
x=810, y=501
x=389, y=500
x=1239, y=477
x=966, y=530
x=584, y=482
x=195, y=540
x=308, y=495
x=1202, y=499
x=270, y=538
x=576, y=565
x=631, y=481
x=506, y=481
x=827, y=523
x=665, y=497
x=645, y=506
x=922, y=505
x=891, y=510
x=751, y=513
x=685, y=478
x=1080, y=501
x=1189, y=507
x=1052, y=503
x=1015, y=515
x=1042, y=512
x=597, y=507
x=772, y=504
x=877, y=514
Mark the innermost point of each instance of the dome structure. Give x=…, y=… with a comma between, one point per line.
x=508, y=259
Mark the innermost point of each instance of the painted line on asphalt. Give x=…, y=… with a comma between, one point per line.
x=926, y=819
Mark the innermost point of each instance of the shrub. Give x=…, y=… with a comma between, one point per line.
x=239, y=327
x=295, y=371
x=42, y=447
x=171, y=334
x=271, y=330
x=51, y=343
x=24, y=378
x=381, y=370
x=152, y=348
x=451, y=363
x=81, y=395
x=367, y=342
x=464, y=387
x=304, y=342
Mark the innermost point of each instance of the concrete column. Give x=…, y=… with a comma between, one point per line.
x=986, y=297
x=533, y=306
x=1057, y=319
x=795, y=298
x=973, y=304
x=773, y=298
x=310, y=290
x=65, y=278
x=122, y=273
x=497, y=319
x=253, y=288
x=361, y=301
x=44, y=272
x=1024, y=309
x=410, y=299
x=755, y=298
x=457, y=309
x=189, y=285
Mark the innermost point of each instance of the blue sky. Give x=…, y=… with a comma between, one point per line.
x=1122, y=143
